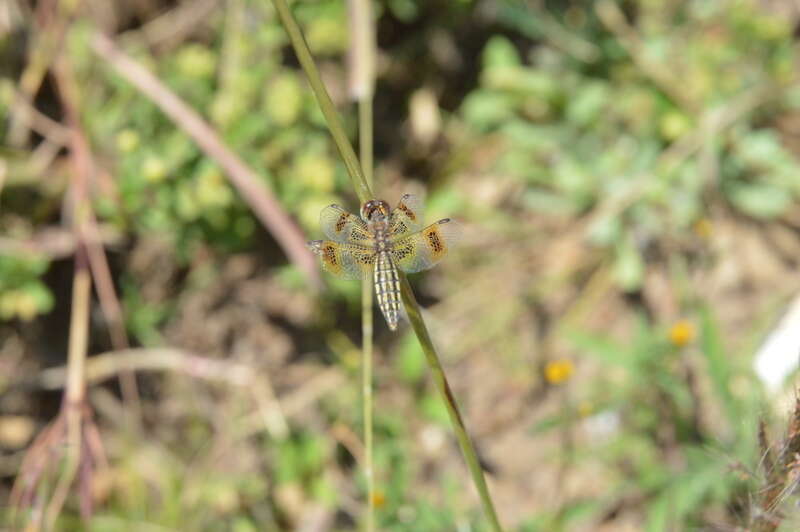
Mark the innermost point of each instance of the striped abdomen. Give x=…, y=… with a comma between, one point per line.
x=387, y=288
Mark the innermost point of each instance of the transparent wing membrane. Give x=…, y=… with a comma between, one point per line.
x=407, y=216
x=342, y=226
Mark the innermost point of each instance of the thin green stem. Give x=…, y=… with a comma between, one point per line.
x=361, y=74
x=366, y=383
x=439, y=377
x=365, y=152
x=364, y=192
x=323, y=98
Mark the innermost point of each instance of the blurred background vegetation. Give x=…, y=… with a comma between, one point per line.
x=627, y=175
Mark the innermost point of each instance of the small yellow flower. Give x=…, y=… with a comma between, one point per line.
x=378, y=499
x=585, y=408
x=681, y=333
x=558, y=371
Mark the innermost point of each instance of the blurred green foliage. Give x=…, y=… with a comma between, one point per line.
x=641, y=139
x=262, y=108
x=22, y=294
x=651, y=388
x=645, y=134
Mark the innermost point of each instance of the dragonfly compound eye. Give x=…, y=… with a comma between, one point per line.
x=374, y=209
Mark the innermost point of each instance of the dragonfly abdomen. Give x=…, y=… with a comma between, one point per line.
x=387, y=288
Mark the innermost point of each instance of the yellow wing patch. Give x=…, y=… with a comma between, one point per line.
x=344, y=260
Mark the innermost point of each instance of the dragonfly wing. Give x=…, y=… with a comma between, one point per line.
x=342, y=226
x=344, y=260
x=424, y=249
x=407, y=216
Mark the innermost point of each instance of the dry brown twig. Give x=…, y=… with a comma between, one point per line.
x=107, y=365
x=88, y=234
x=781, y=470
x=54, y=242
x=112, y=310
x=272, y=413
x=48, y=33
x=264, y=204
x=54, y=135
x=40, y=122
x=173, y=26
x=72, y=435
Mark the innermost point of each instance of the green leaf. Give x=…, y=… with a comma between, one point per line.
x=588, y=103
x=576, y=512
x=283, y=99
x=686, y=494
x=605, y=230
x=760, y=200
x=41, y=296
x=485, y=109
x=500, y=52
x=604, y=349
x=719, y=367
x=628, y=268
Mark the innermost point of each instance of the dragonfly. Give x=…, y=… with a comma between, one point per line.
x=379, y=243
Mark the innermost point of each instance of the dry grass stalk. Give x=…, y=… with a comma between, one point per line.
x=361, y=83
x=72, y=438
x=781, y=473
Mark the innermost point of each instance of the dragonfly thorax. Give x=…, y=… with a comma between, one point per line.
x=380, y=231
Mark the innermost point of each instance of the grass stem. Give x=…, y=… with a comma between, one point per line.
x=365, y=151
x=362, y=82
x=366, y=383
x=75, y=392
x=361, y=86
x=439, y=377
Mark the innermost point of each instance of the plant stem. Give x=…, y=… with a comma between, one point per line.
x=365, y=150
x=76, y=384
x=364, y=192
x=74, y=400
x=87, y=234
x=464, y=442
x=366, y=389
x=361, y=74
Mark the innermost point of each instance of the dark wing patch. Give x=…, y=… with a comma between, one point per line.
x=423, y=249
x=406, y=217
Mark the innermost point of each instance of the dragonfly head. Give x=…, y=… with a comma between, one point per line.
x=375, y=211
